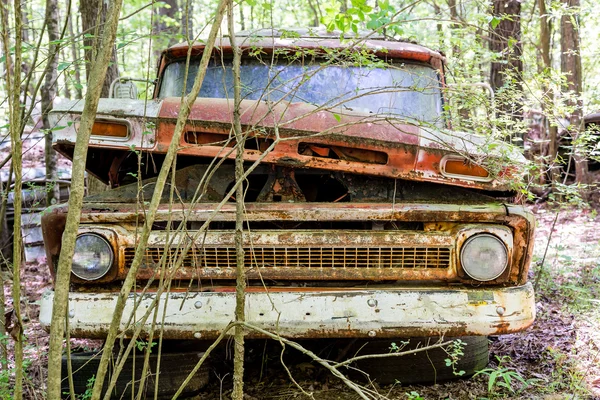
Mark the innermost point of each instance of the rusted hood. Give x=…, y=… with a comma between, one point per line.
x=306, y=136
x=296, y=119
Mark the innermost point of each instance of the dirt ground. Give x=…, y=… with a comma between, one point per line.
x=558, y=358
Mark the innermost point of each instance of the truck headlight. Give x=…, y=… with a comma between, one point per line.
x=484, y=257
x=93, y=257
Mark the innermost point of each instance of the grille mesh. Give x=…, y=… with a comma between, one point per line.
x=305, y=257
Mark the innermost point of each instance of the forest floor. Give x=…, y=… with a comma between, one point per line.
x=557, y=358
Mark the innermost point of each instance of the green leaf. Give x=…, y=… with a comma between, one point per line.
x=121, y=45
x=494, y=21
x=62, y=66
x=337, y=117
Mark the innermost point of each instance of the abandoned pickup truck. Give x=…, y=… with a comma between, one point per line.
x=366, y=215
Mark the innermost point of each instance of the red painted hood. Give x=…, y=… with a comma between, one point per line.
x=342, y=141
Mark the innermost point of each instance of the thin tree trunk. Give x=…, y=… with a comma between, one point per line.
x=243, y=21
x=187, y=23
x=66, y=87
x=48, y=93
x=5, y=234
x=25, y=63
x=240, y=290
x=155, y=201
x=6, y=254
x=548, y=103
x=570, y=65
x=316, y=17
x=75, y=56
x=439, y=27
x=61, y=288
x=13, y=85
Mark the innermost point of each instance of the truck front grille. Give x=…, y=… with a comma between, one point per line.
x=303, y=257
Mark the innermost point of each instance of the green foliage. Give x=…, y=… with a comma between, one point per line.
x=350, y=20
x=89, y=387
x=566, y=376
x=397, y=347
x=414, y=396
x=504, y=379
x=577, y=287
x=142, y=345
x=455, y=352
x=6, y=389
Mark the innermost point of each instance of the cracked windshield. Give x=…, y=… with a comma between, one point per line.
x=407, y=91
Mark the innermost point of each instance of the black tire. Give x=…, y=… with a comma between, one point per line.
x=174, y=367
x=423, y=367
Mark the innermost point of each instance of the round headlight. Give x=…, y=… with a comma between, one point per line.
x=93, y=257
x=484, y=257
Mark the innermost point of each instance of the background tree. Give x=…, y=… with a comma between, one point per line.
x=548, y=96
x=506, y=71
x=93, y=21
x=48, y=93
x=165, y=25
x=570, y=64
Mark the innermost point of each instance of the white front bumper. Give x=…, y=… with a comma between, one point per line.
x=313, y=314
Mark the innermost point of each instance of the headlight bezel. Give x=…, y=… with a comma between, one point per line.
x=502, y=234
x=110, y=264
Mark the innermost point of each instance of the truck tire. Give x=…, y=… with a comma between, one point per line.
x=175, y=368
x=423, y=367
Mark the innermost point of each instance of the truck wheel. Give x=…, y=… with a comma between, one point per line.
x=174, y=367
x=423, y=367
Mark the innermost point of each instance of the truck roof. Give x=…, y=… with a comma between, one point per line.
x=315, y=39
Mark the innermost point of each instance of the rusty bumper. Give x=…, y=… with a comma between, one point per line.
x=312, y=314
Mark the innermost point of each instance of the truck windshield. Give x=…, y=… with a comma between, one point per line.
x=402, y=90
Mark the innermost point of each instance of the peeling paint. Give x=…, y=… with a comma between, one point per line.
x=401, y=313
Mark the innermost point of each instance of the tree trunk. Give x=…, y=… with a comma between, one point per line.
x=48, y=92
x=187, y=23
x=165, y=25
x=93, y=20
x=97, y=75
x=5, y=255
x=13, y=80
x=75, y=55
x=507, y=71
x=548, y=99
x=506, y=42
x=316, y=15
x=240, y=290
x=439, y=27
x=455, y=17
x=570, y=65
x=66, y=90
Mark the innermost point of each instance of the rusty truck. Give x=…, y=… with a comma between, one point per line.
x=366, y=215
